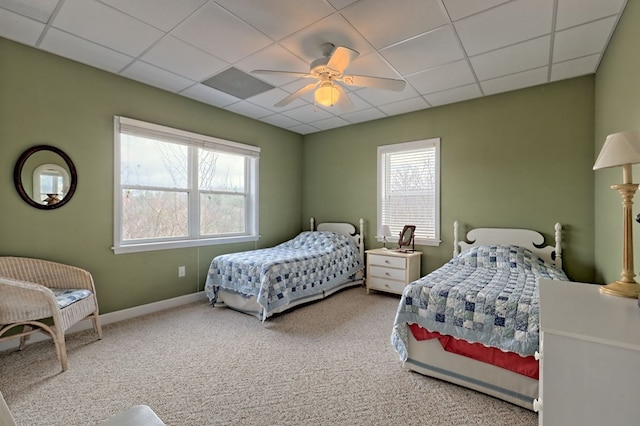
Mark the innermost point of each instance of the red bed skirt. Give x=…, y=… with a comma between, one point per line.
x=527, y=366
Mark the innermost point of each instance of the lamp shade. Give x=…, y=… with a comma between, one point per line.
x=327, y=94
x=384, y=231
x=619, y=149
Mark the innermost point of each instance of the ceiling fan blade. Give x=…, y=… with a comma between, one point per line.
x=291, y=73
x=341, y=58
x=296, y=94
x=374, y=82
x=344, y=102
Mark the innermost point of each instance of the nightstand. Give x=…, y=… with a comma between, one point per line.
x=390, y=270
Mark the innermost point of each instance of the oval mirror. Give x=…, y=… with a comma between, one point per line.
x=406, y=238
x=45, y=177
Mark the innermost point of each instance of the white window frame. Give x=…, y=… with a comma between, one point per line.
x=396, y=228
x=192, y=140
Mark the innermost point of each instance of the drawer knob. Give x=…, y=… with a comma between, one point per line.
x=537, y=355
x=537, y=405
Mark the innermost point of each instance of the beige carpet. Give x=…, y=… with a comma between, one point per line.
x=327, y=363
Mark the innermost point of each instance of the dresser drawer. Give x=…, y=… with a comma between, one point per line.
x=388, y=273
x=390, y=261
x=383, y=284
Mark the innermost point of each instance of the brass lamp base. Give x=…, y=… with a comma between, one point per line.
x=618, y=288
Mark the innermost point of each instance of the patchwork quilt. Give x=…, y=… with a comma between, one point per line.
x=309, y=264
x=487, y=294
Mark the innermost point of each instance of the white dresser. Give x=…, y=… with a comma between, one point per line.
x=389, y=270
x=589, y=357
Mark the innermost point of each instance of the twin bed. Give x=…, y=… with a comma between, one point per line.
x=475, y=320
x=311, y=266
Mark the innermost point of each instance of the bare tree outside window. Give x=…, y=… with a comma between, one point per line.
x=175, y=188
x=408, y=188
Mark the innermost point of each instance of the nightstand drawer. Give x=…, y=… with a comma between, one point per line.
x=391, y=271
x=388, y=273
x=387, y=261
x=382, y=284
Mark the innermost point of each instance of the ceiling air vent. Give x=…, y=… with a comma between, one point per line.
x=237, y=83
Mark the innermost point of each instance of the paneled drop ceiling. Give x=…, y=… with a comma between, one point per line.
x=446, y=50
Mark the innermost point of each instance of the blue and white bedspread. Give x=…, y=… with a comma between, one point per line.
x=309, y=264
x=487, y=294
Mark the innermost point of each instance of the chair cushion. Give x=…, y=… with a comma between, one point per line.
x=65, y=297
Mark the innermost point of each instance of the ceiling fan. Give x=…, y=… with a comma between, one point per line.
x=329, y=72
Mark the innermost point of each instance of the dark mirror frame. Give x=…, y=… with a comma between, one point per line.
x=17, y=176
x=407, y=237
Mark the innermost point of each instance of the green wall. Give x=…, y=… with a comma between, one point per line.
x=617, y=105
x=520, y=159
x=45, y=99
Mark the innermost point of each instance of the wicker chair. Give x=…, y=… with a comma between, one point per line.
x=26, y=299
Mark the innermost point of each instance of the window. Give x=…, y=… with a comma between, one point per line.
x=409, y=189
x=179, y=189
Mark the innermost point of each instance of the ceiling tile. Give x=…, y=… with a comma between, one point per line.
x=428, y=50
x=98, y=21
x=374, y=65
x=307, y=43
x=18, y=28
x=341, y=4
x=40, y=10
x=307, y=113
x=269, y=98
x=183, y=59
x=384, y=22
x=364, y=115
x=162, y=14
x=303, y=129
x=406, y=105
x=277, y=58
x=575, y=67
x=220, y=33
x=209, y=95
x=248, y=109
x=277, y=18
x=441, y=78
x=518, y=57
x=458, y=9
x=515, y=81
x=282, y=121
x=510, y=23
x=154, y=76
x=381, y=97
x=457, y=94
x=583, y=40
x=576, y=12
x=330, y=123
x=81, y=50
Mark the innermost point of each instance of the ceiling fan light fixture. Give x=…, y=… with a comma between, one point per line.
x=327, y=94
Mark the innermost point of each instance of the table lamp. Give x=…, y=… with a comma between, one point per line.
x=384, y=232
x=623, y=149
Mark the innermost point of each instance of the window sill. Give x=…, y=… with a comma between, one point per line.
x=168, y=245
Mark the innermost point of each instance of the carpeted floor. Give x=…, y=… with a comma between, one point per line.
x=327, y=363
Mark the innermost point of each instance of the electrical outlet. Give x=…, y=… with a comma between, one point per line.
x=182, y=271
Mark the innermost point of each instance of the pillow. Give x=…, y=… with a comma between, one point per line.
x=499, y=256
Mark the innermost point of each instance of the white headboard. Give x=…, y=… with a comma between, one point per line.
x=526, y=238
x=344, y=229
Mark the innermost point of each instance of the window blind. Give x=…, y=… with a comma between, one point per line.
x=408, y=188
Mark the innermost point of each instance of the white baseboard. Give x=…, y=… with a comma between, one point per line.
x=115, y=316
